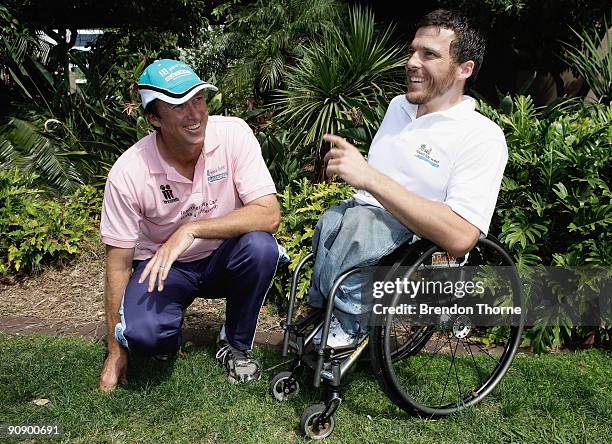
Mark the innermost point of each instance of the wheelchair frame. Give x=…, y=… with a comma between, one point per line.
x=331, y=365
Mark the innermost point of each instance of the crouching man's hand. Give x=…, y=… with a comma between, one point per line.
x=159, y=266
x=347, y=162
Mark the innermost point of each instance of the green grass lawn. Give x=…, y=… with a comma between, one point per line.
x=550, y=398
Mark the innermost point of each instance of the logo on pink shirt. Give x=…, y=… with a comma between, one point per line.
x=215, y=174
x=168, y=194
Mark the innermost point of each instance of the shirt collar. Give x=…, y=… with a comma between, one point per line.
x=157, y=165
x=409, y=108
x=456, y=112
x=154, y=161
x=461, y=109
x=211, y=140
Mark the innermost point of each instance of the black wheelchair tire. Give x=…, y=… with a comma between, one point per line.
x=384, y=357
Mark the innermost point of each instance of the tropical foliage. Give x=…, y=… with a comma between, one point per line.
x=526, y=37
x=271, y=35
x=21, y=56
x=591, y=58
x=343, y=69
x=282, y=155
x=35, y=229
x=555, y=204
x=302, y=204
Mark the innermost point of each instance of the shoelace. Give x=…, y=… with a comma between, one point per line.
x=223, y=352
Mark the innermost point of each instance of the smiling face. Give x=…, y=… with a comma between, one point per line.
x=431, y=72
x=184, y=125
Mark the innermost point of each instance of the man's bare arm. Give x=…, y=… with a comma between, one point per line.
x=262, y=214
x=118, y=271
x=431, y=220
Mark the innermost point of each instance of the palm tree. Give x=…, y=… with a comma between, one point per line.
x=344, y=69
x=271, y=34
x=33, y=143
x=592, y=59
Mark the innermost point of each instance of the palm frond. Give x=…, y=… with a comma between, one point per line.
x=274, y=30
x=592, y=60
x=356, y=65
x=26, y=146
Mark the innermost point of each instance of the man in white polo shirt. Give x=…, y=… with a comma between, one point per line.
x=188, y=211
x=434, y=169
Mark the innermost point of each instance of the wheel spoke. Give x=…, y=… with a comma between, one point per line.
x=454, y=363
x=474, y=362
x=447, y=377
x=429, y=359
x=484, y=350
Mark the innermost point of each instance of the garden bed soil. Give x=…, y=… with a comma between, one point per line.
x=69, y=300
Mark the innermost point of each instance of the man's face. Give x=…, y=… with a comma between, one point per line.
x=430, y=69
x=184, y=124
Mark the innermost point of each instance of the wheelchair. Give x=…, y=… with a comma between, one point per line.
x=430, y=369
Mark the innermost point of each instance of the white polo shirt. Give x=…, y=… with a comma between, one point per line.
x=146, y=199
x=456, y=156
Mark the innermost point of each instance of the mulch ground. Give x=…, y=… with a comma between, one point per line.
x=69, y=301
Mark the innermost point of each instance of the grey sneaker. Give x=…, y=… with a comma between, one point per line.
x=241, y=366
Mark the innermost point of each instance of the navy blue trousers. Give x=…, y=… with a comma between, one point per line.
x=241, y=270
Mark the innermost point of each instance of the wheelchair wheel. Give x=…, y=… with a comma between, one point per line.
x=284, y=386
x=312, y=426
x=452, y=361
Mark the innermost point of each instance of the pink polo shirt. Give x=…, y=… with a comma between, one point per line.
x=146, y=199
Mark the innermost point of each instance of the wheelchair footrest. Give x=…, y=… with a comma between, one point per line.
x=303, y=324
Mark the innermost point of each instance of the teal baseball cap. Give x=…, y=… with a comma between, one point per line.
x=170, y=81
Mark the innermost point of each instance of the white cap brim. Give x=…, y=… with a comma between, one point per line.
x=148, y=95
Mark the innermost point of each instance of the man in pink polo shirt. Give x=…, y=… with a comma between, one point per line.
x=188, y=211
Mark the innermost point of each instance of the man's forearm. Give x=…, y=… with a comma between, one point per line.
x=238, y=222
x=116, y=282
x=431, y=220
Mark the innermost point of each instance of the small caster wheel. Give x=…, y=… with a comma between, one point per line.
x=283, y=390
x=309, y=426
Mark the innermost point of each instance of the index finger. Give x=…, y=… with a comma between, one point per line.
x=333, y=139
x=147, y=269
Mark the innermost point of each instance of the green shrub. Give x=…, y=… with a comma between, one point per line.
x=35, y=229
x=302, y=203
x=284, y=157
x=591, y=59
x=555, y=203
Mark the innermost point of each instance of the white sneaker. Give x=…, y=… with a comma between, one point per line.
x=337, y=336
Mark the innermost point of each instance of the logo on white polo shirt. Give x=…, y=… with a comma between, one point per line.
x=215, y=174
x=168, y=194
x=424, y=154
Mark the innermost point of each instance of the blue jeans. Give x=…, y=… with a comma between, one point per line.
x=351, y=235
